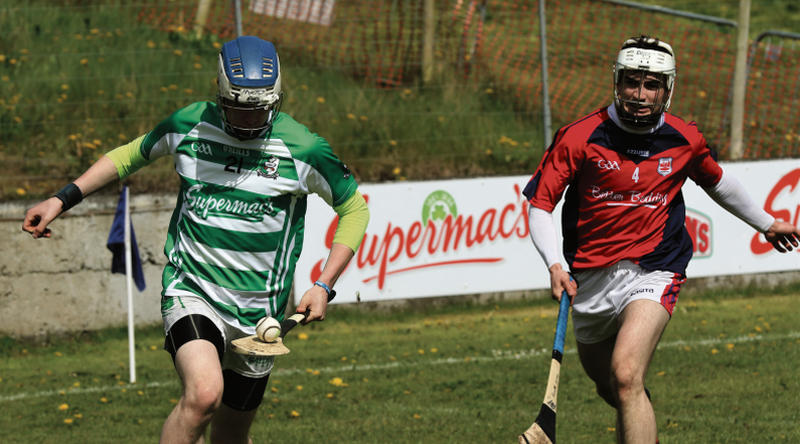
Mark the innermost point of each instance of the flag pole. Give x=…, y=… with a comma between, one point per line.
x=129, y=282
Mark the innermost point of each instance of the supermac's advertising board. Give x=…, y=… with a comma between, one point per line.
x=468, y=236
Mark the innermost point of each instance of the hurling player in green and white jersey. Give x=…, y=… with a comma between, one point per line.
x=236, y=233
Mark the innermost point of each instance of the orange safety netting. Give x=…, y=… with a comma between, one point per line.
x=495, y=43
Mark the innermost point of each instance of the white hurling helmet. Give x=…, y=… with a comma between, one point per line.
x=650, y=55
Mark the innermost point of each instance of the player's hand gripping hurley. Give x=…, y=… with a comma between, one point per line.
x=543, y=429
x=252, y=345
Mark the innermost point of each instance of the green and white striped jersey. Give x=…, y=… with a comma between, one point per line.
x=237, y=229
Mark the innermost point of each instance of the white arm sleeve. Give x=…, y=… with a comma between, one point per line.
x=543, y=234
x=730, y=194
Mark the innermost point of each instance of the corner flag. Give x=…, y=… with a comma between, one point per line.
x=116, y=243
x=122, y=243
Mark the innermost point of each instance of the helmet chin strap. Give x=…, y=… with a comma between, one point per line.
x=628, y=126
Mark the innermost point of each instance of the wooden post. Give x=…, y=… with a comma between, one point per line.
x=740, y=81
x=202, y=17
x=429, y=36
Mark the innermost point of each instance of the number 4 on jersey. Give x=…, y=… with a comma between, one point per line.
x=635, y=176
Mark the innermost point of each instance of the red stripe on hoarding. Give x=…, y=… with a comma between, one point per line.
x=438, y=264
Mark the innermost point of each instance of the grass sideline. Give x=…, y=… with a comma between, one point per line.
x=726, y=371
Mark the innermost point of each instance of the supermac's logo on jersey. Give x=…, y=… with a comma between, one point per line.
x=269, y=167
x=664, y=166
x=205, y=204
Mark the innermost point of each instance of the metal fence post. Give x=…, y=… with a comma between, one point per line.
x=545, y=96
x=237, y=16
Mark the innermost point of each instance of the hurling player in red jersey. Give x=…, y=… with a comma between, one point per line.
x=622, y=168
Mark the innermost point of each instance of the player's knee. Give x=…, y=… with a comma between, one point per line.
x=202, y=398
x=627, y=384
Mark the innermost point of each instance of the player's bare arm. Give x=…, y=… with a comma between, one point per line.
x=783, y=236
x=315, y=299
x=353, y=219
x=38, y=217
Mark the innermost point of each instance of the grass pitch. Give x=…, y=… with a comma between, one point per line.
x=726, y=371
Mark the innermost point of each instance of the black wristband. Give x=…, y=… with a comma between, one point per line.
x=69, y=196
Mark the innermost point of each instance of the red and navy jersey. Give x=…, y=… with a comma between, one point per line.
x=623, y=191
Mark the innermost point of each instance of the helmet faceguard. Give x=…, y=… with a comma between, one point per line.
x=249, y=81
x=650, y=63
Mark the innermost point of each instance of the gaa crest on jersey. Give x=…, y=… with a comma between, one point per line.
x=664, y=166
x=269, y=167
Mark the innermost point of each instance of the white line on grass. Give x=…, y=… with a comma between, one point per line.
x=496, y=355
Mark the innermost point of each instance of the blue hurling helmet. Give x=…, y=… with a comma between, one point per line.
x=249, y=80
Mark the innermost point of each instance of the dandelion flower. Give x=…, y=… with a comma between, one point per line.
x=63, y=407
x=337, y=382
x=302, y=336
x=68, y=421
x=294, y=414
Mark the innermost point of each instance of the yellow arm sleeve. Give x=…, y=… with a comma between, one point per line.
x=128, y=158
x=353, y=218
